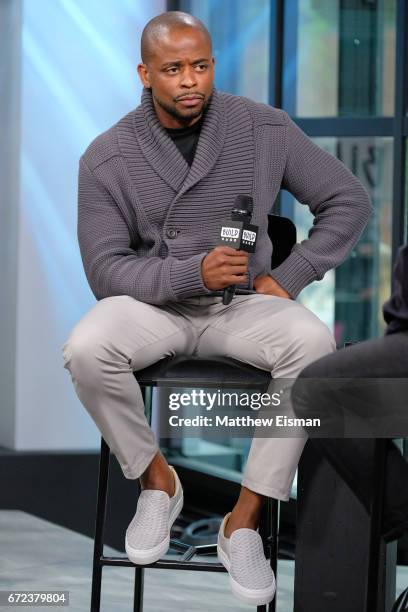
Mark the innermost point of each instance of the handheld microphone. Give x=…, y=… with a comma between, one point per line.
x=239, y=234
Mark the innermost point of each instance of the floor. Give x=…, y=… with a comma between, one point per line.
x=41, y=555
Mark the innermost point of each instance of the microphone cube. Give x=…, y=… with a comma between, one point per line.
x=239, y=235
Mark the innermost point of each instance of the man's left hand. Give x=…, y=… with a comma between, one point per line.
x=267, y=285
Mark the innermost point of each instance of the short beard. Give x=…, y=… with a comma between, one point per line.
x=171, y=110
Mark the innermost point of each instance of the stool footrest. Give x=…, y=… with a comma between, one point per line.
x=201, y=549
x=177, y=564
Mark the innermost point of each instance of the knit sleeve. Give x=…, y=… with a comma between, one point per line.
x=336, y=198
x=112, y=267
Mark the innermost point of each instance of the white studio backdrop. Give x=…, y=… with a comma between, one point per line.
x=76, y=66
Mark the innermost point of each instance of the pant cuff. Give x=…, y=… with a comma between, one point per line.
x=137, y=470
x=264, y=489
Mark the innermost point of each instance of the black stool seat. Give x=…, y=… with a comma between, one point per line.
x=186, y=371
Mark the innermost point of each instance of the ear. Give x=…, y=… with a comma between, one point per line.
x=144, y=75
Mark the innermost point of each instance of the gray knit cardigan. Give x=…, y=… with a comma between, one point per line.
x=146, y=218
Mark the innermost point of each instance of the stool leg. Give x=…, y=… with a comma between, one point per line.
x=268, y=530
x=138, y=595
x=378, y=485
x=100, y=526
x=147, y=394
x=139, y=571
x=274, y=523
x=263, y=532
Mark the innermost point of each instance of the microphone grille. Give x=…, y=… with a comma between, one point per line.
x=243, y=206
x=244, y=202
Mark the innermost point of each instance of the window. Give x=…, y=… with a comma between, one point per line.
x=340, y=69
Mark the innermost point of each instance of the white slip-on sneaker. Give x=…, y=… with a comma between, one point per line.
x=251, y=577
x=148, y=534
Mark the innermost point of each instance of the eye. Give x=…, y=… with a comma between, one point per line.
x=172, y=69
x=202, y=67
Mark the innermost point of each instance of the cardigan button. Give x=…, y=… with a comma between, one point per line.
x=171, y=232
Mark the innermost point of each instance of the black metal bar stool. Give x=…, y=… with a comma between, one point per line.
x=183, y=372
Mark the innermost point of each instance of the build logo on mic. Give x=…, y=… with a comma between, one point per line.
x=239, y=235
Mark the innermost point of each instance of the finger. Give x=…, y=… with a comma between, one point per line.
x=236, y=261
x=235, y=269
x=239, y=254
x=227, y=250
x=236, y=279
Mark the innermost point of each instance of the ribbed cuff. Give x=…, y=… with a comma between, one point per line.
x=294, y=274
x=186, y=279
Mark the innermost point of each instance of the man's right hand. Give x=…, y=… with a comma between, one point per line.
x=224, y=266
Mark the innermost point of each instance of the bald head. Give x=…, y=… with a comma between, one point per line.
x=161, y=26
x=178, y=67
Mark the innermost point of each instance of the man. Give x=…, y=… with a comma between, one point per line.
x=373, y=361
x=153, y=191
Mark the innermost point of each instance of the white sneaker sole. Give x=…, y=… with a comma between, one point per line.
x=256, y=597
x=151, y=555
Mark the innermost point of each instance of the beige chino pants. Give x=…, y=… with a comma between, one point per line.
x=120, y=335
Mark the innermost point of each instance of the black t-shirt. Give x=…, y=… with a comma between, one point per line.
x=186, y=139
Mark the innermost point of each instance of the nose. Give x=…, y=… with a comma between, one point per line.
x=188, y=77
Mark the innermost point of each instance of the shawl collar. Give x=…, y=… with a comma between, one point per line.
x=164, y=156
